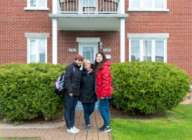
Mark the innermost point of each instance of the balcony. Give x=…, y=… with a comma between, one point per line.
x=89, y=15
x=89, y=6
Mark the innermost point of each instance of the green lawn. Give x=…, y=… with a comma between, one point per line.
x=20, y=139
x=176, y=125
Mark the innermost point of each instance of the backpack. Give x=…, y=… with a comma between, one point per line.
x=60, y=83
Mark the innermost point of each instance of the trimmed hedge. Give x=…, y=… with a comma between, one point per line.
x=147, y=87
x=27, y=91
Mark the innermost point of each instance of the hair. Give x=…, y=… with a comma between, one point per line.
x=88, y=61
x=99, y=65
x=79, y=57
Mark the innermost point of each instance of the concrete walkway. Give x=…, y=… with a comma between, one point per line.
x=56, y=130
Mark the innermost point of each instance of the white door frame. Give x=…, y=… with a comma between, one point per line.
x=84, y=45
x=88, y=41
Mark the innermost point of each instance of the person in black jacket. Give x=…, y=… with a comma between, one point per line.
x=87, y=91
x=72, y=91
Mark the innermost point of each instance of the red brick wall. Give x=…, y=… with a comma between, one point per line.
x=14, y=23
x=177, y=22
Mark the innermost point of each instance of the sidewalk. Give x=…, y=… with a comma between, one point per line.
x=56, y=130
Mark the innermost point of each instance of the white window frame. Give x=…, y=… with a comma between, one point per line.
x=151, y=36
x=29, y=7
x=153, y=8
x=36, y=36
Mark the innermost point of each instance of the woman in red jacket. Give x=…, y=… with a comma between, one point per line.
x=103, y=88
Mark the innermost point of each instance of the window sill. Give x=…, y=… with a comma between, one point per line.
x=36, y=9
x=148, y=10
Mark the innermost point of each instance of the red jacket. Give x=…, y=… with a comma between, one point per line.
x=104, y=81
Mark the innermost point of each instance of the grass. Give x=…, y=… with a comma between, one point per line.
x=175, y=125
x=15, y=138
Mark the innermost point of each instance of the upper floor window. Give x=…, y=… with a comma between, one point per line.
x=148, y=47
x=148, y=5
x=36, y=5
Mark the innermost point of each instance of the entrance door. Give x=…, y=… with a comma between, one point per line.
x=88, y=50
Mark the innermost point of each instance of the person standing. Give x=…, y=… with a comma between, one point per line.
x=103, y=89
x=87, y=91
x=72, y=91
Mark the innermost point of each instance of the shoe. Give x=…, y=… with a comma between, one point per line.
x=88, y=126
x=102, y=128
x=107, y=129
x=71, y=131
x=75, y=129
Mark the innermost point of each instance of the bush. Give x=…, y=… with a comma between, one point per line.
x=147, y=87
x=27, y=91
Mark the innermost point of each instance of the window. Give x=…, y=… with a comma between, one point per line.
x=148, y=5
x=37, y=50
x=135, y=51
x=36, y=5
x=148, y=47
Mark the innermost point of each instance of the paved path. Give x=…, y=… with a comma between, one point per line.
x=59, y=133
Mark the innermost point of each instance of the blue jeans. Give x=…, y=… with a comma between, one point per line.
x=69, y=110
x=104, y=111
x=88, y=110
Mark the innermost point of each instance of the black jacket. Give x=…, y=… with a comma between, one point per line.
x=87, y=87
x=72, y=79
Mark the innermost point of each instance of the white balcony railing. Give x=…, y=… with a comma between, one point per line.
x=89, y=6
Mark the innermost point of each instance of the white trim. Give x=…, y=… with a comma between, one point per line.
x=55, y=6
x=122, y=6
x=148, y=35
x=141, y=43
x=153, y=51
x=28, y=51
x=54, y=41
x=122, y=40
x=34, y=9
x=148, y=10
x=37, y=35
x=165, y=50
x=130, y=50
x=88, y=39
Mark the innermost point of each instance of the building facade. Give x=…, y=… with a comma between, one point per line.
x=53, y=31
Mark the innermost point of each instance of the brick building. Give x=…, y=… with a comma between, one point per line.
x=53, y=31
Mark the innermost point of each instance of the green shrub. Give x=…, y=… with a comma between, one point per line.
x=147, y=87
x=27, y=91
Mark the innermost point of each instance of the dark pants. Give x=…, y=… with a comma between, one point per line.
x=104, y=111
x=69, y=110
x=88, y=110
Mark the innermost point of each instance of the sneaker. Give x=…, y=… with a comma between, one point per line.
x=71, y=131
x=102, y=128
x=88, y=126
x=107, y=129
x=75, y=129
